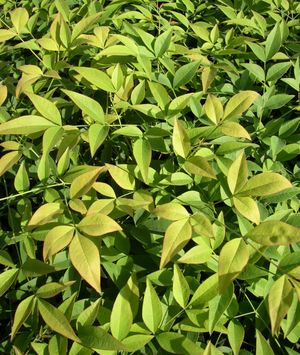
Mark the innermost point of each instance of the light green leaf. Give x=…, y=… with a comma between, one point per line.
x=274, y=233
x=152, y=309
x=239, y=103
x=185, y=74
x=19, y=18
x=96, y=77
x=88, y=105
x=233, y=258
x=44, y=214
x=234, y=129
x=237, y=173
x=262, y=346
x=256, y=70
x=180, y=102
x=83, y=25
x=7, y=278
x=202, y=225
x=162, y=43
x=196, y=255
x=5, y=35
x=83, y=183
x=3, y=93
x=181, y=289
x=176, y=343
x=25, y=125
x=52, y=289
x=124, y=309
x=159, y=93
x=276, y=71
x=51, y=138
x=213, y=108
x=85, y=257
x=57, y=239
x=265, y=184
x=207, y=290
x=121, y=176
x=273, y=42
x=97, y=225
x=207, y=77
x=199, y=166
x=248, y=208
x=236, y=334
x=180, y=139
x=8, y=160
x=142, y=153
x=21, y=181
x=176, y=237
x=130, y=131
x=46, y=108
x=138, y=93
x=279, y=301
x=136, y=342
x=89, y=315
x=97, y=135
x=171, y=211
x=56, y=320
x=22, y=313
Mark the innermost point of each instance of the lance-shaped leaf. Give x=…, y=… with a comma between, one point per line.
x=172, y=211
x=84, y=182
x=87, y=105
x=274, y=233
x=262, y=346
x=279, y=301
x=213, y=108
x=56, y=320
x=185, y=74
x=233, y=258
x=180, y=140
x=152, y=309
x=44, y=214
x=199, y=254
x=199, y=166
x=239, y=103
x=57, y=239
x=236, y=334
x=22, y=313
x=202, y=225
x=247, y=207
x=52, y=289
x=8, y=160
x=237, y=174
x=121, y=176
x=176, y=343
x=124, y=309
x=25, y=125
x=176, y=237
x=19, y=18
x=142, y=153
x=181, y=289
x=3, y=93
x=234, y=129
x=96, y=77
x=46, y=108
x=98, y=224
x=85, y=257
x=207, y=290
x=5, y=35
x=97, y=135
x=7, y=278
x=162, y=42
x=21, y=182
x=265, y=184
x=136, y=342
x=89, y=315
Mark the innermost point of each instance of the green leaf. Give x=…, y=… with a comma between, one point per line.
x=276, y=71
x=97, y=135
x=239, y=103
x=56, y=320
x=96, y=77
x=22, y=313
x=273, y=42
x=98, y=338
x=274, y=233
x=46, y=108
x=142, y=153
x=25, y=125
x=83, y=183
x=159, y=93
x=199, y=166
x=152, y=309
x=236, y=334
x=237, y=174
x=278, y=101
x=176, y=343
x=207, y=290
x=180, y=140
x=136, y=342
x=181, y=289
x=124, y=309
x=185, y=74
x=88, y=105
x=213, y=108
x=248, y=208
x=5, y=35
x=3, y=94
x=258, y=50
x=52, y=289
x=138, y=93
x=196, y=255
x=97, y=225
x=89, y=315
x=85, y=257
x=83, y=25
x=21, y=182
x=162, y=43
x=19, y=18
x=234, y=129
x=171, y=211
x=202, y=225
x=7, y=278
x=264, y=184
x=34, y=268
x=262, y=346
x=121, y=176
x=233, y=258
x=8, y=160
x=256, y=70
x=56, y=240
x=176, y=237
x=279, y=301
x=44, y=214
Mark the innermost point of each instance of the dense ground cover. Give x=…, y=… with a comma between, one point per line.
x=149, y=177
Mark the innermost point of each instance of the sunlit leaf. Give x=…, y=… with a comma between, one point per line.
x=152, y=309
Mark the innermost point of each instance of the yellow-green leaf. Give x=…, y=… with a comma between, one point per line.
x=85, y=257
x=196, y=255
x=239, y=103
x=22, y=313
x=21, y=182
x=233, y=258
x=176, y=237
x=44, y=214
x=7, y=278
x=121, y=176
x=274, y=233
x=207, y=290
x=152, y=309
x=98, y=224
x=46, y=108
x=247, y=207
x=56, y=320
x=180, y=140
x=265, y=184
x=97, y=135
x=96, y=77
x=213, y=108
x=8, y=160
x=181, y=289
x=52, y=289
x=142, y=153
x=3, y=93
x=171, y=211
x=233, y=129
x=279, y=301
x=262, y=346
x=159, y=93
x=208, y=75
x=83, y=183
x=5, y=35
x=237, y=174
x=25, y=125
x=199, y=166
x=202, y=225
x=19, y=18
